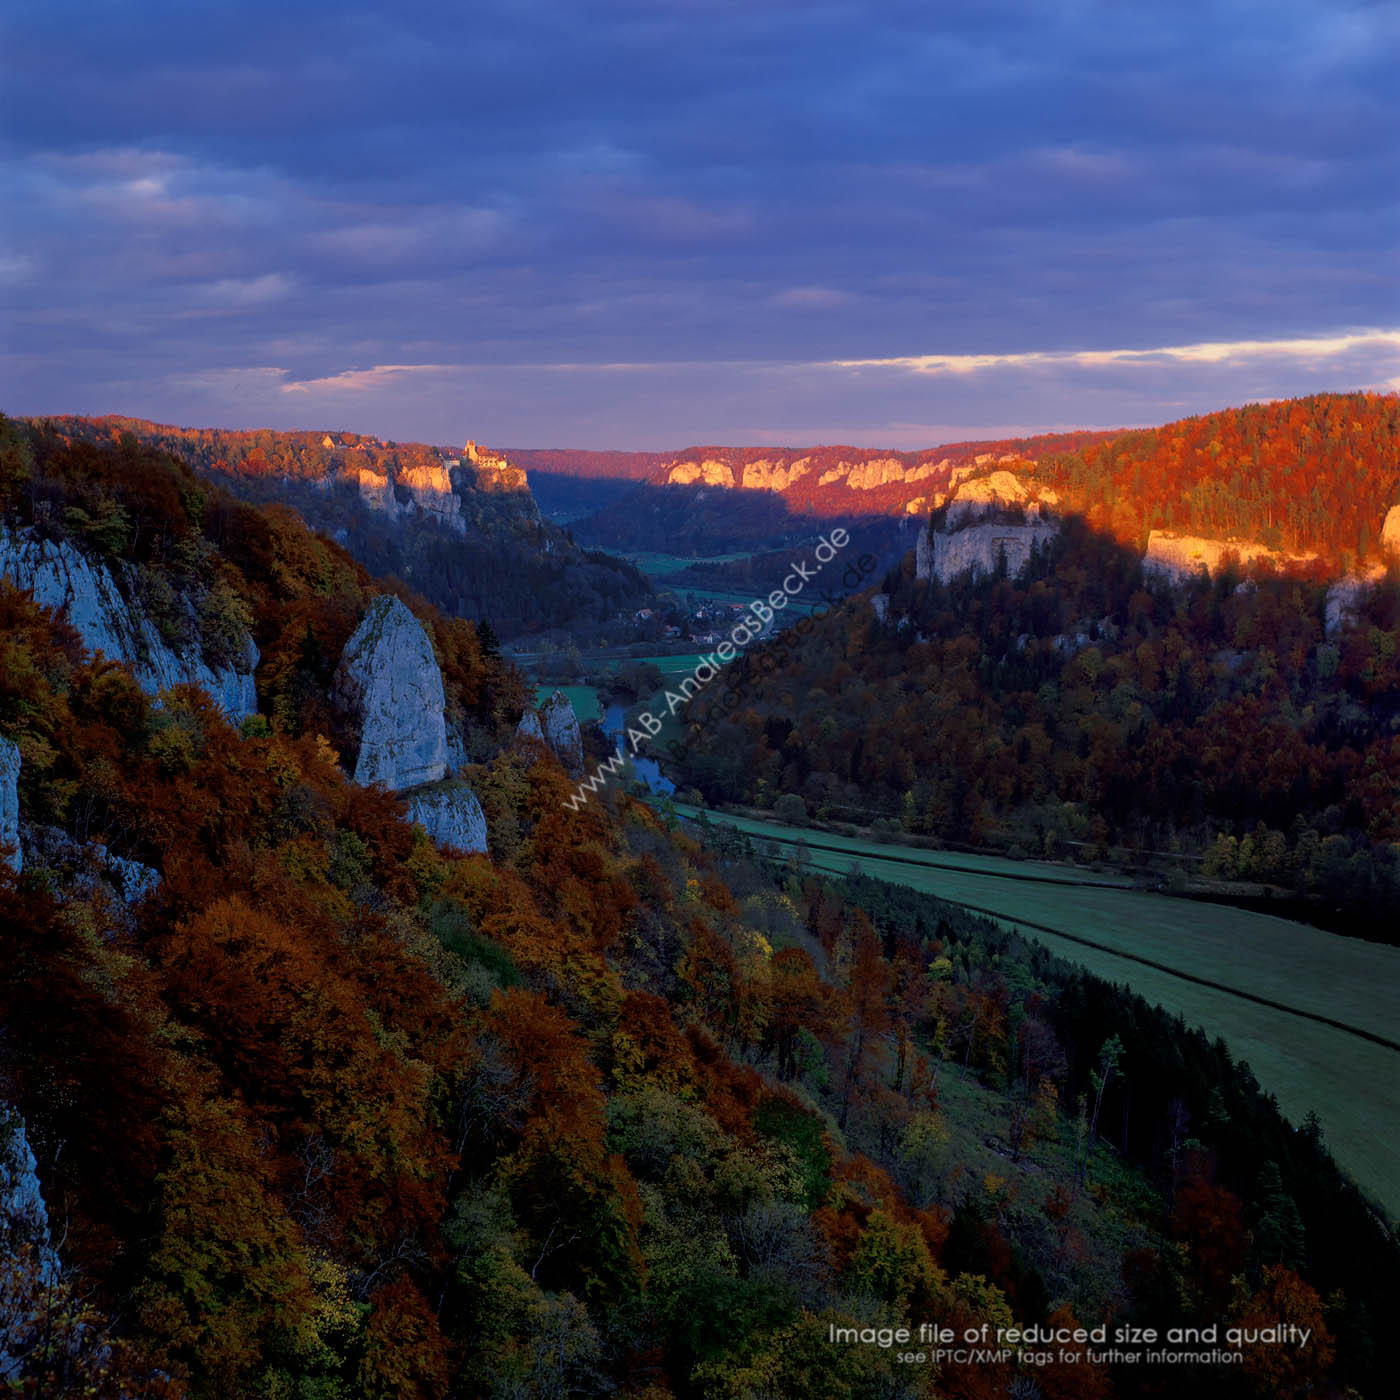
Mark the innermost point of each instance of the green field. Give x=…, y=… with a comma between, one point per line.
x=661, y=564
x=1352, y=1083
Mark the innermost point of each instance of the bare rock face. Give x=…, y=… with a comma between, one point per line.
x=86, y=868
x=561, y=732
x=529, y=726
x=431, y=488
x=377, y=491
x=30, y=1269
x=764, y=475
x=976, y=536
x=711, y=472
x=390, y=683
x=1390, y=531
x=1345, y=595
x=62, y=577
x=452, y=816
x=1178, y=557
x=9, y=801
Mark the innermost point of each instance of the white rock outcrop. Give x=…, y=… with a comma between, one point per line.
x=774, y=476
x=63, y=578
x=1345, y=595
x=972, y=537
x=30, y=1270
x=9, y=801
x=711, y=472
x=85, y=868
x=377, y=491
x=390, y=684
x=431, y=489
x=452, y=816
x=1390, y=531
x=561, y=732
x=1179, y=557
x=529, y=726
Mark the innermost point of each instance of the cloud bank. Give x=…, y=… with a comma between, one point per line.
x=629, y=223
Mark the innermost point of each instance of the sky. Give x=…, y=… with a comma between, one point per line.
x=650, y=223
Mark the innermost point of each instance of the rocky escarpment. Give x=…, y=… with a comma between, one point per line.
x=988, y=519
x=1390, y=531
x=561, y=732
x=451, y=815
x=1180, y=556
x=556, y=725
x=29, y=1264
x=86, y=868
x=9, y=801
x=109, y=621
x=389, y=685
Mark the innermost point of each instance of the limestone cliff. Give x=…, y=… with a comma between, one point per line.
x=529, y=726
x=9, y=801
x=1390, y=531
x=988, y=518
x=451, y=815
x=86, y=868
x=29, y=1265
x=62, y=577
x=389, y=684
x=1180, y=556
x=561, y=732
x=431, y=490
x=710, y=472
x=1345, y=595
x=764, y=475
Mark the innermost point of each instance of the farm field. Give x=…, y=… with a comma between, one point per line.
x=658, y=565
x=1351, y=1082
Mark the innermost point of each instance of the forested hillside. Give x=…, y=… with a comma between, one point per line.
x=331, y=1111
x=1315, y=475
x=490, y=557
x=1088, y=707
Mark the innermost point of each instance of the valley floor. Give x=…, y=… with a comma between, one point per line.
x=1309, y=1011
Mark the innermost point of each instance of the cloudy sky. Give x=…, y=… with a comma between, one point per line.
x=647, y=223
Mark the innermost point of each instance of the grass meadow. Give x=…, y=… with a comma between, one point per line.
x=1353, y=1084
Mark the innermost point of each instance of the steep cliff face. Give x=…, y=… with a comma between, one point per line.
x=764, y=475
x=1180, y=556
x=62, y=577
x=529, y=726
x=431, y=489
x=390, y=685
x=710, y=472
x=561, y=732
x=29, y=1264
x=452, y=816
x=976, y=533
x=9, y=801
x=1390, y=531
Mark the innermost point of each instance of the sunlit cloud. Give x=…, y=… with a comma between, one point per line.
x=359, y=380
x=1313, y=349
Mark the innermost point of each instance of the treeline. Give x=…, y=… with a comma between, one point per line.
x=334, y=1112
x=1315, y=474
x=1084, y=707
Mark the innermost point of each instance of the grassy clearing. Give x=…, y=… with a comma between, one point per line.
x=1352, y=1084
